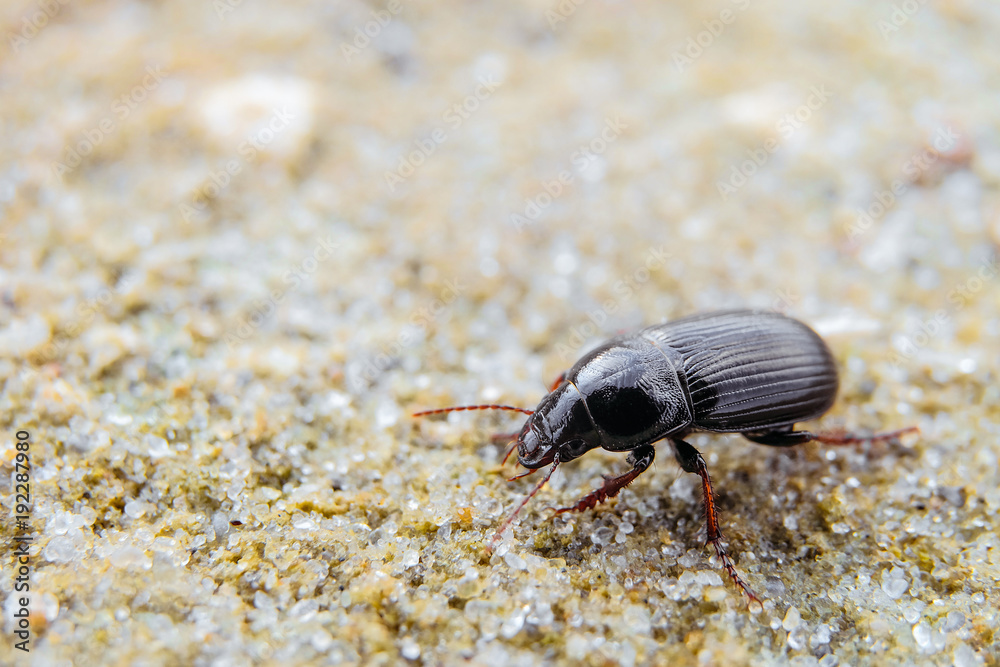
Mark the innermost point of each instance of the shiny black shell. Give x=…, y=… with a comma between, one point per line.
x=728, y=371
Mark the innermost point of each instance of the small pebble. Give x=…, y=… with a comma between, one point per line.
x=792, y=619
x=409, y=649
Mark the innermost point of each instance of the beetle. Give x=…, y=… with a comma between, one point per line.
x=752, y=372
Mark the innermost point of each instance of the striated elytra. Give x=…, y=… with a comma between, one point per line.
x=751, y=372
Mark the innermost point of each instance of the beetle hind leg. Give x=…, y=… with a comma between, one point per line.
x=640, y=458
x=781, y=438
x=790, y=438
x=691, y=460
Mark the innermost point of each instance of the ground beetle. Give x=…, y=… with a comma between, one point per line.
x=751, y=372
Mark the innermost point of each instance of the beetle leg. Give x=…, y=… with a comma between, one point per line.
x=559, y=381
x=640, y=458
x=780, y=438
x=849, y=439
x=791, y=438
x=691, y=460
x=510, y=519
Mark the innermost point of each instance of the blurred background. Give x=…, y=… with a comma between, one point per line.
x=240, y=243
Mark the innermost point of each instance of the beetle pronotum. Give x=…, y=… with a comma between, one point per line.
x=756, y=373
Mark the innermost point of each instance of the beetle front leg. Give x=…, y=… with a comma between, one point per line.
x=640, y=458
x=691, y=460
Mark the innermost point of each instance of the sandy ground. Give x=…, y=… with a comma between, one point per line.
x=240, y=243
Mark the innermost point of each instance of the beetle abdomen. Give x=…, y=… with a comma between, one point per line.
x=748, y=370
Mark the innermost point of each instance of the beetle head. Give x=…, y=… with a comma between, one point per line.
x=560, y=428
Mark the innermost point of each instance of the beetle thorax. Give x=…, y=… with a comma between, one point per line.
x=633, y=392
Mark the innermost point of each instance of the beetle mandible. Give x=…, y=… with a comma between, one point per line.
x=751, y=372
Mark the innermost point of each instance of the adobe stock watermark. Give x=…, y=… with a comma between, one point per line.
x=943, y=141
x=899, y=16
x=562, y=12
x=248, y=150
x=264, y=308
x=223, y=7
x=784, y=300
x=86, y=311
x=907, y=346
x=963, y=293
x=419, y=321
x=121, y=108
x=454, y=116
x=34, y=22
x=701, y=42
x=363, y=35
x=786, y=126
x=625, y=289
x=581, y=158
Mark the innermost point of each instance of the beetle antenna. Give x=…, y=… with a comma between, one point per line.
x=510, y=519
x=510, y=451
x=459, y=408
x=529, y=471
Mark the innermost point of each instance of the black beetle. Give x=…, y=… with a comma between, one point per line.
x=756, y=373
